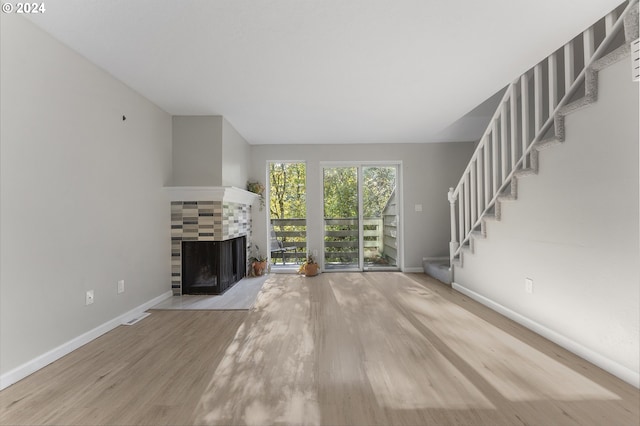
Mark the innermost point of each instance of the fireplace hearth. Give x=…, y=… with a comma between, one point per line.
x=212, y=267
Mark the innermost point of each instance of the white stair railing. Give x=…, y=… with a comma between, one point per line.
x=528, y=109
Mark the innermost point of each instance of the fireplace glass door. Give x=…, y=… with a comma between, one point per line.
x=212, y=267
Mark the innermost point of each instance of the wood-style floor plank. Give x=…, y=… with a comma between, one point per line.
x=337, y=349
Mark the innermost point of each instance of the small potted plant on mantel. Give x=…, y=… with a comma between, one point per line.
x=257, y=188
x=309, y=268
x=257, y=262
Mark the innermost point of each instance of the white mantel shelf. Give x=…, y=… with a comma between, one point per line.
x=211, y=193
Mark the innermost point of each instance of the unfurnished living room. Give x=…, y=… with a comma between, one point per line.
x=356, y=212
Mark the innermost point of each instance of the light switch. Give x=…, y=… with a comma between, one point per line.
x=418, y=207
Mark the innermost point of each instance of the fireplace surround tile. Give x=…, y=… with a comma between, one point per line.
x=204, y=221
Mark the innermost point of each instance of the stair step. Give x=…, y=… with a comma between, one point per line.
x=478, y=234
x=440, y=270
x=547, y=143
x=525, y=172
x=489, y=217
x=507, y=197
x=576, y=105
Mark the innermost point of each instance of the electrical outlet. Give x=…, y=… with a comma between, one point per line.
x=89, y=297
x=120, y=286
x=528, y=285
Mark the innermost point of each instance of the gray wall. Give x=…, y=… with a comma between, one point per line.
x=82, y=200
x=208, y=151
x=574, y=231
x=235, y=157
x=197, y=150
x=428, y=170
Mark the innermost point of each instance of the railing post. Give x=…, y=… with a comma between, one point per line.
x=552, y=66
x=524, y=109
x=569, y=66
x=487, y=172
x=504, y=141
x=514, y=124
x=453, y=245
x=588, y=44
x=479, y=182
x=537, y=97
x=460, y=199
x=474, y=194
x=467, y=210
x=609, y=22
x=495, y=161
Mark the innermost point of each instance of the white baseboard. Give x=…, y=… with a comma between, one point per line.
x=618, y=370
x=413, y=270
x=30, y=367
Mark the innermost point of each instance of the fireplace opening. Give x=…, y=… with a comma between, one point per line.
x=212, y=267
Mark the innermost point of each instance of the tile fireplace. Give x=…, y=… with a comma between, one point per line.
x=213, y=214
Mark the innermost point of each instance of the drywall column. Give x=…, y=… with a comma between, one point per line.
x=235, y=157
x=197, y=150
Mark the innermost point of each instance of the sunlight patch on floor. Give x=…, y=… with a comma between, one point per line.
x=518, y=371
x=401, y=365
x=383, y=337
x=244, y=388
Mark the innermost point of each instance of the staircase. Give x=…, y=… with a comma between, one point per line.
x=530, y=118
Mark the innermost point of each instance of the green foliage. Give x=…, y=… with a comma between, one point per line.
x=378, y=185
x=341, y=192
x=288, y=183
x=288, y=190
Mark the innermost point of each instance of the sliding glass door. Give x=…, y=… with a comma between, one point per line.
x=380, y=217
x=287, y=214
x=360, y=217
x=341, y=219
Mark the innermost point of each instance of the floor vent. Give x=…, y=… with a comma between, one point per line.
x=635, y=59
x=137, y=319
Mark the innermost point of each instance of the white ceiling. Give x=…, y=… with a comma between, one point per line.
x=323, y=71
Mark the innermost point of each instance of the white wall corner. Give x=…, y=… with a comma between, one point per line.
x=30, y=367
x=618, y=370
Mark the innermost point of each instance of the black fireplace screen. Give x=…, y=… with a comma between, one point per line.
x=212, y=267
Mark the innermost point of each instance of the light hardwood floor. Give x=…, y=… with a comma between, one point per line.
x=375, y=348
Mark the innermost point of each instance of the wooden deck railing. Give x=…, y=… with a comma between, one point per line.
x=341, y=239
x=341, y=245
x=292, y=233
